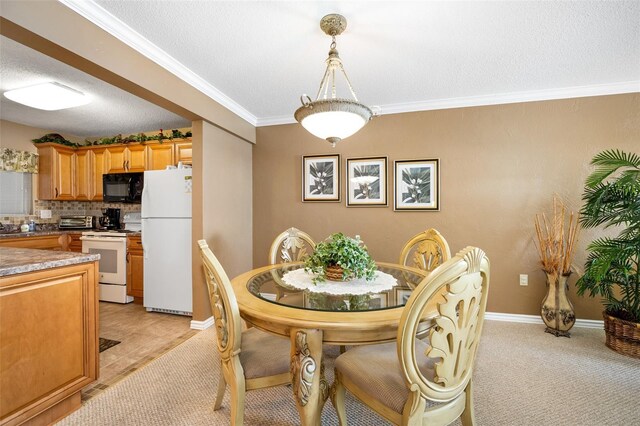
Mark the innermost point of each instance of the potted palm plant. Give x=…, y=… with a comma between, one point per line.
x=612, y=198
x=340, y=258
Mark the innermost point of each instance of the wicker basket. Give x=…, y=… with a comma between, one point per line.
x=622, y=336
x=334, y=273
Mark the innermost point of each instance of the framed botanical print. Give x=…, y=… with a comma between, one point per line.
x=366, y=182
x=321, y=178
x=416, y=185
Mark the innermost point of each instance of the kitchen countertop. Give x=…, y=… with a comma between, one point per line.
x=18, y=260
x=30, y=234
x=56, y=232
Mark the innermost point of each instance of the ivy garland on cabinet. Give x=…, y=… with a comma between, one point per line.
x=118, y=139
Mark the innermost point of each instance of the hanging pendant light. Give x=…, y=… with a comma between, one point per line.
x=329, y=117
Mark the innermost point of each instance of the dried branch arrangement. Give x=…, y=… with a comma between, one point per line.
x=556, y=240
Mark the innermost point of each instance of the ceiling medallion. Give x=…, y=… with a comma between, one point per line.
x=330, y=117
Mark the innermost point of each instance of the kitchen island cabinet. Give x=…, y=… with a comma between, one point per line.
x=48, y=333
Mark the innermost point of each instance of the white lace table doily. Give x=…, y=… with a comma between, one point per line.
x=302, y=280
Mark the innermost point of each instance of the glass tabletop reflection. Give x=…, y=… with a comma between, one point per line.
x=269, y=286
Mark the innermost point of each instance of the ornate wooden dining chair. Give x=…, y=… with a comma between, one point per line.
x=426, y=250
x=249, y=359
x=411, y=381
x=292, y=245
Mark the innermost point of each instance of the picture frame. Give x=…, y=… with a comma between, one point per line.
x=366, y=183
x=321, y=178
x=379, y=301
x=416, y=185
x=402, y=294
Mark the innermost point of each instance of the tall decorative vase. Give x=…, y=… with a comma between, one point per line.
x=557, y=310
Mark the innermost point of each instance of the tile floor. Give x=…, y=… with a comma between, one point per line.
x=143, y=337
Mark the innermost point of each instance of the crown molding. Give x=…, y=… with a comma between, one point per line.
x=93, y=12
x=497, y=99
x=103, y=19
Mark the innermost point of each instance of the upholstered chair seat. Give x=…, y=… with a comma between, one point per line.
x=264, y=354
x=382, y=380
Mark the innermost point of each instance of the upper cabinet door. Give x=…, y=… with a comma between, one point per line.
x=55, y=172
x=100, y=166
x=159, y=156
x=136, y=160
x=117, y=159
x=83, y=175
x=64, y=174
x=183, y=152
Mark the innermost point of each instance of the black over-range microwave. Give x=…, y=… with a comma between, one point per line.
x=122, y=187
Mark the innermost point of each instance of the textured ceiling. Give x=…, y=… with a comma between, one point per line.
x=264, y=55
x=110, y=112
x=400, y=56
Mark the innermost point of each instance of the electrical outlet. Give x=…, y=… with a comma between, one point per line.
x=45, y=214
x=524, y=279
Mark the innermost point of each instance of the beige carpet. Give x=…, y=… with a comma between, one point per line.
x=523, y=377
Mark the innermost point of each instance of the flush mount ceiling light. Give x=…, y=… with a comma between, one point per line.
x=330, y=117
x=48, y=96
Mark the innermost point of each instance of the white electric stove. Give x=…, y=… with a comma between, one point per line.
x=112, y=247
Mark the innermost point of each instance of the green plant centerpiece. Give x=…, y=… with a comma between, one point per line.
x=612, y=198
x=340, y=258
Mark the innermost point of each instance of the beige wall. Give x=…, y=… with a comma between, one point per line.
x=18, y=136
x=500, y=165
x=222, y=205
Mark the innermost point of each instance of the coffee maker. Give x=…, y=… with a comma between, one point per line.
x=110, y=219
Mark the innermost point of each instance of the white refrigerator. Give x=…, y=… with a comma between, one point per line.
x=166, y=240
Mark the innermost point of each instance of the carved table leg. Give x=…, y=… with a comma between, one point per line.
x=310, y=388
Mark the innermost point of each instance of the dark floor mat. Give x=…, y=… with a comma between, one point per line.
x=107, y=343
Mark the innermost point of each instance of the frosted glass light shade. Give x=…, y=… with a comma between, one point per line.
x=48, y=96
x=334, y=119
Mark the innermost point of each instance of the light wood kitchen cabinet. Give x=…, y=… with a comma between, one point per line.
x=137, y=161
x=135, y=268
x=117, y=162
x=73, y=242
x=56, y=172
x=46, y=242
x=182, y=149
x=66, y=173
x=48, y=341
x=127, y=158
x=100, y=164
x=160, y=155
x=83, y=174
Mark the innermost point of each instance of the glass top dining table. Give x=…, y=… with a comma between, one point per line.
x=270, y=286
x=311, y=320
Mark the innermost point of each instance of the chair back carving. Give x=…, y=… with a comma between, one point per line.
x=453, y=341
x=224, y=306
x=426, y=250
x=292, y=245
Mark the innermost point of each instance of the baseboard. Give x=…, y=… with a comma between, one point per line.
x=202, y=325
x=535, y=319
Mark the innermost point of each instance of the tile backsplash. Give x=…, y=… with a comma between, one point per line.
x=67, y=208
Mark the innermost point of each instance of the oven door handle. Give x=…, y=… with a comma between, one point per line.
x=117, y=240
